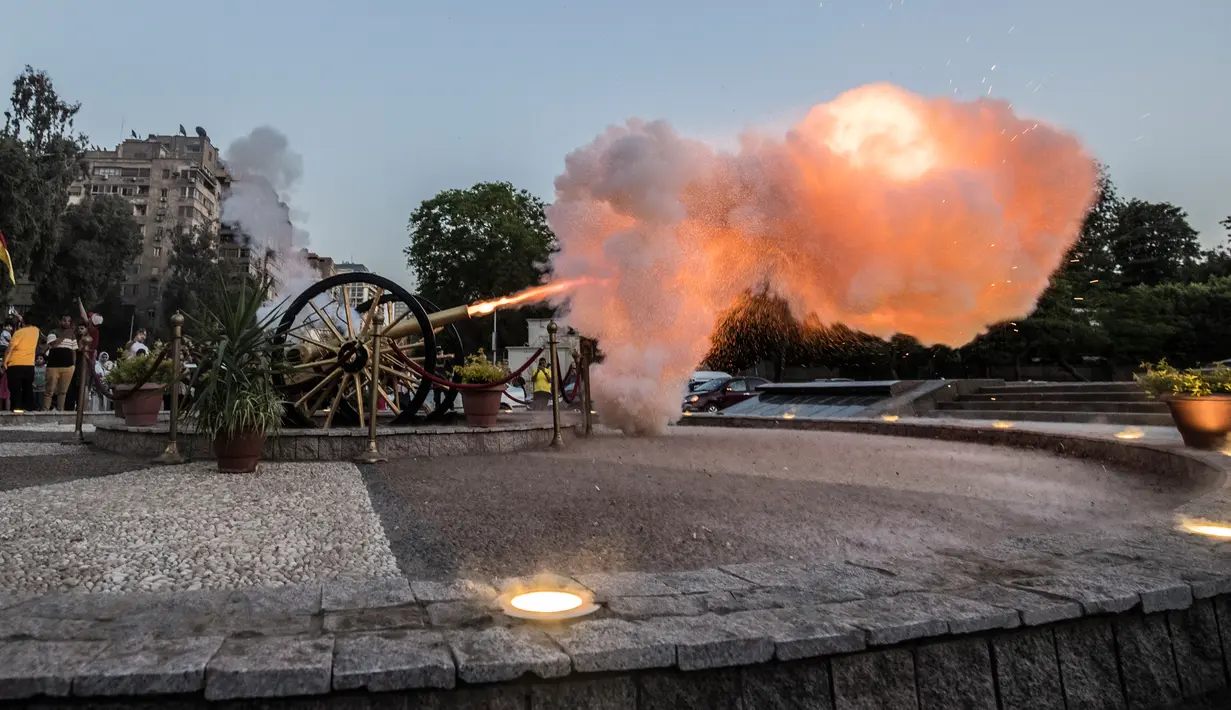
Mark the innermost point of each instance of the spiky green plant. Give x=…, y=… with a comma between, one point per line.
x=236, y=392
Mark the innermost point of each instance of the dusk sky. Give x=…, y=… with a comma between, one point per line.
x=390, y=102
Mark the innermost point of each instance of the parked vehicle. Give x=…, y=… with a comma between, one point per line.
x=700, y=377
x=716, y=395
x=514, y=399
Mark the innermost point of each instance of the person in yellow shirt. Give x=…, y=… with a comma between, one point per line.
x=19, y=367
x=542, y=386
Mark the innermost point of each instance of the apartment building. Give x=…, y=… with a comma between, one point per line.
x=173, y=182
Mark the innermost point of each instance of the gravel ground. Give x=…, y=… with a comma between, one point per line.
x=188, y=527
x=703, y=497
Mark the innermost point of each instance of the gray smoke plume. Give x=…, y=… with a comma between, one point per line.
x=265, y=171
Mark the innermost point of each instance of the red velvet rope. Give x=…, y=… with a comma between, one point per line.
x=418, y=370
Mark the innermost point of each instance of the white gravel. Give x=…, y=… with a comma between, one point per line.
x=40, y=448
x=190, y=527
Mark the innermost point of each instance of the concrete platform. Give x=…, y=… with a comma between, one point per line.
x=1100, y=618
x=341, y=444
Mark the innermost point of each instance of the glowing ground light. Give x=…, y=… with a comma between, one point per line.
x=1205, y=527
x=1002, y=425
x=547, y=604
x=19, y=411
x=789, y=415
x=1130, y=433
x=889, y=417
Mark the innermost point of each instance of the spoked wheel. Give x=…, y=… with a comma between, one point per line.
x=326, y=338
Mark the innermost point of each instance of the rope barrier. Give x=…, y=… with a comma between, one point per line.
x=446, y=384
x=111, y=393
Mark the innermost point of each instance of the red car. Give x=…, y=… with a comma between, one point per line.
x=716, y=395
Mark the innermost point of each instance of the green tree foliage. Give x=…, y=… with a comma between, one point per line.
x=40, y=156
x=487, y=241
x=98, y=239
x=1153, y=244
x=198, y=278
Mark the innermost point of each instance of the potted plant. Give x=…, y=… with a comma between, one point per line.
x=1199, y=400
x=138, y=390
x=235, y=400
x=482, y=406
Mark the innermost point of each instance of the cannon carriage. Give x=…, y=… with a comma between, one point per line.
x=326, y=335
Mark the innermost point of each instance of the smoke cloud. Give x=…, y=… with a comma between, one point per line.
x=265, y=171
x=883, y=210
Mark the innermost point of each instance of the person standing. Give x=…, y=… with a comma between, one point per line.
x=102, y=367
x=19, y=367
x=40, y=381
x=138, y=346
x=61, y=362
x=542, y=386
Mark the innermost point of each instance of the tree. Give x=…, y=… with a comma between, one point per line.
x=468, y=245
x=759, y=327
x=1090, y=256
x=197, y=279
x=98, y=240
x=1154, y=243
x=40, y=157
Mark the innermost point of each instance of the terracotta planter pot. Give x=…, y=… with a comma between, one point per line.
x=482, y=407
x=140, y=408
x=1204, y=422
x=239, y=453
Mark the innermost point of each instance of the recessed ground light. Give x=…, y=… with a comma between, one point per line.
x=546, y=598
x=889, y=417
x=789, y=415
x=1002, y=425
x=1130, y=433
x=19, y=411
x=688, y=414
x=1205, y=527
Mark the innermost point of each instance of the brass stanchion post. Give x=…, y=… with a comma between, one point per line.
x=171, y=454
x=83, y=388
x=587, y=354
x=556, y=439
x=372, y=455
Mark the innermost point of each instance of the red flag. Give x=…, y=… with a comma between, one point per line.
x=7, y=259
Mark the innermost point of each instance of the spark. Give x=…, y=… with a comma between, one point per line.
x=530, y=295
x=1011, y=29
x=1144, y=116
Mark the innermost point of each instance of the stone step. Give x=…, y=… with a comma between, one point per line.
x=1146, y=407
x=1059, y=397
x=1133, y=419
x=1062, y=387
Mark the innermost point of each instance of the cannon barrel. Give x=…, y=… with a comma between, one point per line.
x=439, y=319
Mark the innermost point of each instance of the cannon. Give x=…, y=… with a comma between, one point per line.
x=326, y=334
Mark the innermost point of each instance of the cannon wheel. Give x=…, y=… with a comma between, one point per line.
x=341, y=386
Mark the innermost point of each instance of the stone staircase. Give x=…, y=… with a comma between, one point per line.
x=1084, y=403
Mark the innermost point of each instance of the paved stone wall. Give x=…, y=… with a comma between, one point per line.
x=1032, y=622
x=26, y=419
x=339, y=445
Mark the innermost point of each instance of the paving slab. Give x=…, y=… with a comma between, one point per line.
x=499, y=654
x=367, y=594
x=649, y=607
x=704, y=580
x=454, y=591
x=713, y=641
x=625, y=584
x=1103, y=592
x=1034, y=609
x=614, y=645
x=393, y=660
x=147, y=667
x=266, y=668
x=891, y=620
x=30, y=668
x=801, y=633
x=378, y=619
